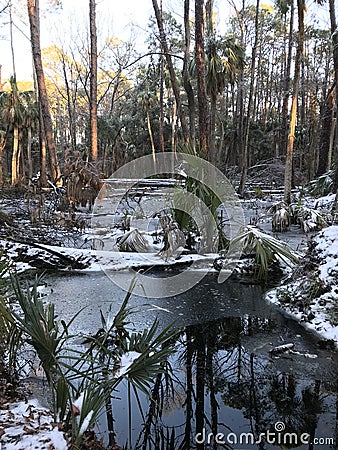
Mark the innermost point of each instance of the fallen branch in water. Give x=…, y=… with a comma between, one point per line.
x=281, y=349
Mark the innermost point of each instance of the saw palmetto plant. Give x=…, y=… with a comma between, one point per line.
x=10, y=335
x=321, y=185
x=82, y=379
x=265, y=249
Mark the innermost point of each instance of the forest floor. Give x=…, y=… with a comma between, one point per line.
x=309, y=293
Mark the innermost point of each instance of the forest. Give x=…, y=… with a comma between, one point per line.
x=259, y=93
x=168, y=224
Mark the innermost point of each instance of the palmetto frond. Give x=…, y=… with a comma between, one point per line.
x=16, y=107
x=224, y=58
x=265, y=248
x=89, y=404
x=153, y=358
x=10, y=335
x=95, y=373
x=38, y=323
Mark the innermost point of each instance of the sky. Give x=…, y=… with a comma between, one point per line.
x=115, y=18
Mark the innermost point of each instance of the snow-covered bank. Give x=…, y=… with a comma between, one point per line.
x=310, y=294
x=26, y=425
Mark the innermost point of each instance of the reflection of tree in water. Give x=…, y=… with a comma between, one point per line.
x=297, y=406
x=213, y=372
x=279, y=397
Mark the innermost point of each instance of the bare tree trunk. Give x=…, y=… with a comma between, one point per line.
x=34, y=21
x=293, y=115
x=325, y=144
x=29, y=152
x=70, y=106
x=250, y=101
x=209, y=27
x=212, y=128
x=3, y=140
x=11, y=38
x=201, y=82
x=43, y=151
x=186, y=79
x=172, y=74
x=238, y=122
x=313, y=137
x=93, y=81
x=15, y=154
x=161, y=127
x=21, y=166
x=286, y=87
x=334, y=31
x=151, y=138
x=173, y=127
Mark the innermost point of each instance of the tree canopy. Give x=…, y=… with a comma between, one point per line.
x=223, y=88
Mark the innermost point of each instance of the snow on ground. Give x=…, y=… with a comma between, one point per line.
x=325, y=202
x=29, y=426
x=99, y=260
x=327, y=245
x=26, y=425
x=312, y=298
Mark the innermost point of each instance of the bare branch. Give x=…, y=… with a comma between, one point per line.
x=5, y=7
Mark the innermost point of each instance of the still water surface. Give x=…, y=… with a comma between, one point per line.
x=225, y=381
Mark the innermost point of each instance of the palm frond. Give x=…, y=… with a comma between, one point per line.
x=265, y=248
x=10, y=335
x=90, y=403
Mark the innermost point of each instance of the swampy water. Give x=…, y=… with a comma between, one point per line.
x=227, y=390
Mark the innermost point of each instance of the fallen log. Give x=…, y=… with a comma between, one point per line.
x=40, y=260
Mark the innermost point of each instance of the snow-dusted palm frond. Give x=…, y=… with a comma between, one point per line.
x=133, y=241
x=265, y=248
